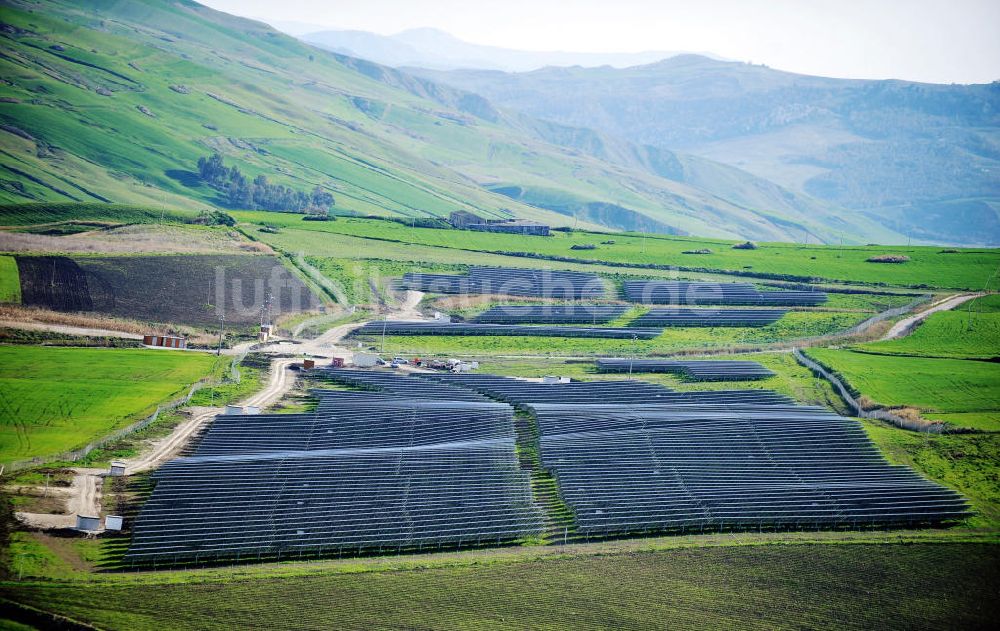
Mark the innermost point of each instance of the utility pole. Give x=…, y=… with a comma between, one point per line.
x=222, y=331
x=635, y=338
x=385, y=323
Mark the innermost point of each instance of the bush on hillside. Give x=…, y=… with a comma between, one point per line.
x=888, y=258
x=746, y=245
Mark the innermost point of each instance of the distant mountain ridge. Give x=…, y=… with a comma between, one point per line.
x=436, y=49
x=116, y=101
x=921, y=159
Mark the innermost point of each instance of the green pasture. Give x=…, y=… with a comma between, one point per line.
x=965, y=332
x=927, y=267
x=935, y=386
x=57, y=399
x=747, y=587
x=793, y=326
x=10, y=280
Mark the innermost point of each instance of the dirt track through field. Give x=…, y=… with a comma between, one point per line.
x=66, y=329
x=905, y=326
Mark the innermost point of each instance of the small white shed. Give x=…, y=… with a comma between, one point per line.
x=88, y=522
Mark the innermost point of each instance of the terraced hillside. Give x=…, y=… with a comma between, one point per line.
x=118, y=100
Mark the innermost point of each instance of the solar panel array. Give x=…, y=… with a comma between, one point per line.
x=624, y=393
x=381, y=470
x=708, y=317
x=650, y=459
x=429, y=460
x=510, y=282
x=694, y=370
x=727, y=465
x=407, y=327
x=550, y=314
x=668, y=292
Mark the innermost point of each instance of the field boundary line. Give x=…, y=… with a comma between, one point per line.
x=930, y=427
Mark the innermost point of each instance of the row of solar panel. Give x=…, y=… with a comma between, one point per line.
x=694, y=370
x=403, y=327
x=511, y=282
x=594, y=314
x=708, y=293
x=551, y=314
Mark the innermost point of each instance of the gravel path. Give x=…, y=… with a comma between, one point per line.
x=905, y=326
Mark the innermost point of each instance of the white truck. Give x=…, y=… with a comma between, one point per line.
x=364, y=360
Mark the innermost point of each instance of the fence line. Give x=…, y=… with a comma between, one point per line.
x=916, y=425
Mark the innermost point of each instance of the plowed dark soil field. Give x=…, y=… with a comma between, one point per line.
x=182, y=289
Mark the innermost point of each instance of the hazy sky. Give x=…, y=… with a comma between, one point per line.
x=941, y=41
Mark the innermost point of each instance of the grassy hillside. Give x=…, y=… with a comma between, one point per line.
x=116, y=101
x=10, y=281
x=918, y=158
x=927, y=267
x=57, y=399
x=972, y=331
x=748, y=587
x=940, y=387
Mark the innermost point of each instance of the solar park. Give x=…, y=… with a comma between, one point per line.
x=429, y=460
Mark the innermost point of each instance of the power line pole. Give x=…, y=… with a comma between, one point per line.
x=222, y=331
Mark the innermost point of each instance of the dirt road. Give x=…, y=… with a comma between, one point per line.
x=906, y=325
x=66, y=329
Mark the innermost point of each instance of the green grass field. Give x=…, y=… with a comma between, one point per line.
x=793, y=326
x=57, y=399
x=928, y=266
x=10, y=280
x=972, y=331
x=50, y=213
x=932, y=385
x=745, y=587
x=964, y=462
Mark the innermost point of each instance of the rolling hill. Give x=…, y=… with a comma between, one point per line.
x=115, y=102
x=921, y=159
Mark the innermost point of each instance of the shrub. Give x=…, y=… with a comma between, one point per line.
x=583, y=246
x=888, y=258
x=746, y=245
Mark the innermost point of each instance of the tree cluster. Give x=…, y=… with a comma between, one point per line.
x=240, y=191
